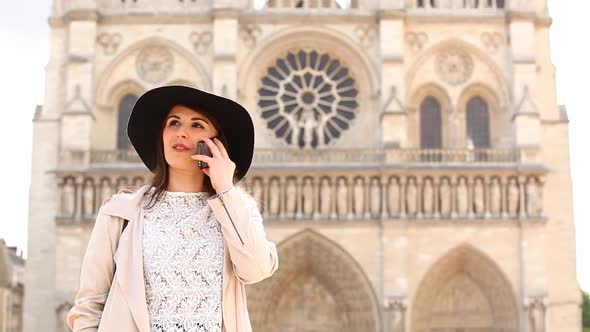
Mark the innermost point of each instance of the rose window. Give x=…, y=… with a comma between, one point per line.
x=308, y=99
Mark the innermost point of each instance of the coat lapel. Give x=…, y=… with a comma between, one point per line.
x=129, y=255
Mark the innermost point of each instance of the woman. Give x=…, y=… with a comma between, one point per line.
x=193, y=239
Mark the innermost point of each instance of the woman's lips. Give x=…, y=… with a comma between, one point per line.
x=180, y=147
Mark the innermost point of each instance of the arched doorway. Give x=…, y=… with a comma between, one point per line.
x=465, y=291
x=318, y=287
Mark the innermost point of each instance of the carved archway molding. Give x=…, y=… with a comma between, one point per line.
x=319, y=286
x=465, y=290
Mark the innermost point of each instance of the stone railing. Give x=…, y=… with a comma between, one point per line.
x=361, y=195
x=334, y=157
x=459, y=5
x=133, y=7
x=311, y=4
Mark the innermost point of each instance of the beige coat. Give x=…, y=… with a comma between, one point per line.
x=104, y=304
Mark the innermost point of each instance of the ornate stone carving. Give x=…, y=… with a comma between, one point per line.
x=358, y=194
x=492, y=41
x=366, y=34
x=411, y=197
x=416, y=40
x=291, y=197
x=535, y=308
x=109, y=41
x=88, y=198
x=308, y=99
x=512, y=197
x=375, y=197
x=274, y=197
x=396, y=307
x=393, y=196
x=428, y=197
x=462, y=197
x=258, y=192
x=342, y=198
x=325, y=197
x=446, y=206
x=533, y=197
x=250, y=34
x=479, y=197
x=454, y=66
x=154, y=64
x=308, y=197
x=201, y=41
x=495, y=197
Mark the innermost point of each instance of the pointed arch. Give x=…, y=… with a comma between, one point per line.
x=464, y=270
x=333, y=292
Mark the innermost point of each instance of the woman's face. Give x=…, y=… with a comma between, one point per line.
x=183, y=128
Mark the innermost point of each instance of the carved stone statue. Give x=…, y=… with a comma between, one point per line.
x=358, y=194
x=495, y=198
x=325, y=198
x=258, y=190
x=68, y=201
x=342, y=198
x=479, y=197
x=88, y=199
x=274, y=202
x=533, y=198
x=428, y=197
x=307, y=196
x=291, y=197
x=106, y=190
x=462, y=197
x=445, y=197
x=536, y=314
x=411, y=197
x=512, y=197
x=393, y=197
x=375, y=197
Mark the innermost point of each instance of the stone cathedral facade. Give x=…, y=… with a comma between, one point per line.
x=411, y=161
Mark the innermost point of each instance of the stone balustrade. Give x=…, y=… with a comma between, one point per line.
x=469, y=5
x=330, y=157
x=311, y=4
x=388, y=194
x=133, y=7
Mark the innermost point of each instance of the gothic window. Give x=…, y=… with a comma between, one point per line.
x=478, y=122
x=308, y=98
x=125, y=107
x=430, y=124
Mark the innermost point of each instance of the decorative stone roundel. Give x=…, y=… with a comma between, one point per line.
x=154, y=64
x=307, y=98
x=454, y=66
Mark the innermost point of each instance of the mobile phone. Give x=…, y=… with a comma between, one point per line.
x=203, y=148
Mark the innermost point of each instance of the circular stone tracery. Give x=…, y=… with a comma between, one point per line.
x=308, y=98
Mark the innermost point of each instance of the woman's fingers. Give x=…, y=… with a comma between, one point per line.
x=202, y=157
x=213, y=147
x=221, y=148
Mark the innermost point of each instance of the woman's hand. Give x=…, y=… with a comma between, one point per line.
x=221, y=168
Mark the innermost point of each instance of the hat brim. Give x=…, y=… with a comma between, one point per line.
x=150, y=110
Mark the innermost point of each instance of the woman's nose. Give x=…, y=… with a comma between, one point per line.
x=181, y=132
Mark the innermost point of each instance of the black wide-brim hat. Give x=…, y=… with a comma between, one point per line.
x=150, y=110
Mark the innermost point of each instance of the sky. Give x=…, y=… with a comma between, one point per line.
x=24, y=34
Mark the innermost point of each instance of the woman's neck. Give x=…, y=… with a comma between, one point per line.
x=185, y=181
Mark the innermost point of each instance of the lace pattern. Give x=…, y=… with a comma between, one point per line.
x=183, y=264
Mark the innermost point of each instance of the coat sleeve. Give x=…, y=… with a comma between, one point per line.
x=96, y=276
x=254, y=258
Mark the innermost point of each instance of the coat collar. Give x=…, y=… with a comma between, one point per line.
x=125, y=205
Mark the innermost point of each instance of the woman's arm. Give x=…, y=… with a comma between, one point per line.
x=96, y=276
x=253, y=256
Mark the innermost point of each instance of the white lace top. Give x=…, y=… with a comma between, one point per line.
x=183, y=264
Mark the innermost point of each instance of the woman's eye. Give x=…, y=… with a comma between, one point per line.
x=197, y=125
x=173, y=122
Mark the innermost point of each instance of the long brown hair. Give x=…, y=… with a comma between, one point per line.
x=161, y=176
